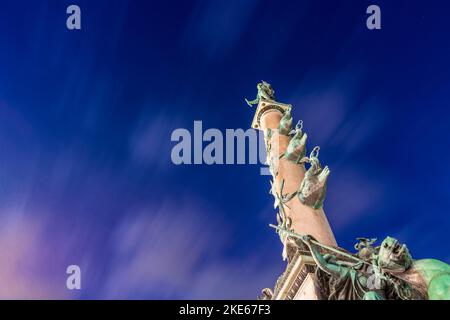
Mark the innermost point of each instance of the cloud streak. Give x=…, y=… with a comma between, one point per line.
x=176, y=251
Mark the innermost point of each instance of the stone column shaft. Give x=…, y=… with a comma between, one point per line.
x=305, y=220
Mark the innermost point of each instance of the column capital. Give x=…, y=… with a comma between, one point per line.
x=265, y=106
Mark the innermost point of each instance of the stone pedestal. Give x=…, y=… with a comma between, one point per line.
x=297, y=282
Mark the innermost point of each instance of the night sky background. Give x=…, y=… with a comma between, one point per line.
x=86, y=118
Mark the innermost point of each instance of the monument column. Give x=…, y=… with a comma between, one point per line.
x=304, y=219
x=287, y=173
x=299, y=194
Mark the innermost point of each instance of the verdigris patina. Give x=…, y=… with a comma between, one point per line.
x=296, y=149
x=430, y=276
x=285, y=126
x=373, y=272
x=265, y=92
x=312, y=190
x=346, y=280
x=383, y=272
x=284, y=222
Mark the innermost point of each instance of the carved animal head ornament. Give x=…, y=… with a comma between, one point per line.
x=394, y=256
x=312, y=190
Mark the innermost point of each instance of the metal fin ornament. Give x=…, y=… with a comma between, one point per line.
x=285, y=126
x=312, y=190
x=296, y=150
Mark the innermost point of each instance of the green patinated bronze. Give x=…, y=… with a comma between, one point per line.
x=346, y=281
x=284, y=222
x=285, y=126
x=280, y=229
x=376, y=273
x=265, y=92
x=432, y=275
x=373, y=273
x=313, y=188
x=296, y=150
x=342, y=280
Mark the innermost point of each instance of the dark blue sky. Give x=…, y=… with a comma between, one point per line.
x=86, y=118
